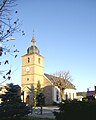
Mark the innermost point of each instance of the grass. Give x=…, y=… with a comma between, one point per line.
x=36, y=118
x=28, y=118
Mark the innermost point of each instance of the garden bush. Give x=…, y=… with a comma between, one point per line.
x=76, y=110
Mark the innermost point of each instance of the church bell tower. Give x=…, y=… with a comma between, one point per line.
x=32, y=71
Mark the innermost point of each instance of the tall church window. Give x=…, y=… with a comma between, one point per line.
x=73, y=95
x=69, y=95
x=57, y=95
x=66, y=96
x=28, y=59
x=39, y=60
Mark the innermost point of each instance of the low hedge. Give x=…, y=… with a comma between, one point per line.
x=76, y=110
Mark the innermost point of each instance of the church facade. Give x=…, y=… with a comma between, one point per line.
x=33, y=72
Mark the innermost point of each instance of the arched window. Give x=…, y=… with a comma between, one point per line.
x=28, y=99
x=28, y=59
x=39, y=60
x=27, y=79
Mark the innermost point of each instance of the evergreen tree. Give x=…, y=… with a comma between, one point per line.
x=40, y=98
x=11, y=105
x=38, y=89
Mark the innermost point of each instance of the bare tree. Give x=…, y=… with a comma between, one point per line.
x=63, y=81
x=63, y=74
x=8, y=26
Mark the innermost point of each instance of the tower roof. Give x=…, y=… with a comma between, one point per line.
x=33, y=48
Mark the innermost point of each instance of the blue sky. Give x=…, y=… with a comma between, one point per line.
x=65, y=32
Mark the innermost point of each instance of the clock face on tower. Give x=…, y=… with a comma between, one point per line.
x=27, y=69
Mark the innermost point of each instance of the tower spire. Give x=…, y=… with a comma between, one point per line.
x=33, y=48
x=33, y=40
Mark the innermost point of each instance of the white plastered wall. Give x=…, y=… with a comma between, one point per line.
x=70, y=94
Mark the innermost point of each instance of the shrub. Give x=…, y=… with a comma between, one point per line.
x=73, y=110
x=11, y=105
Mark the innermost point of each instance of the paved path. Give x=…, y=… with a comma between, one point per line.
x=47, y=112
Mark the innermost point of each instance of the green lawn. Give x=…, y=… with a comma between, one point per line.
x=34, y=118
x=28, y=118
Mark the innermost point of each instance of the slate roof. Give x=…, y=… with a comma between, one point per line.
x=91, y=93
x=65, y=83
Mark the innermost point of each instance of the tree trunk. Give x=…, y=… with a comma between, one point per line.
x=62, y=95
